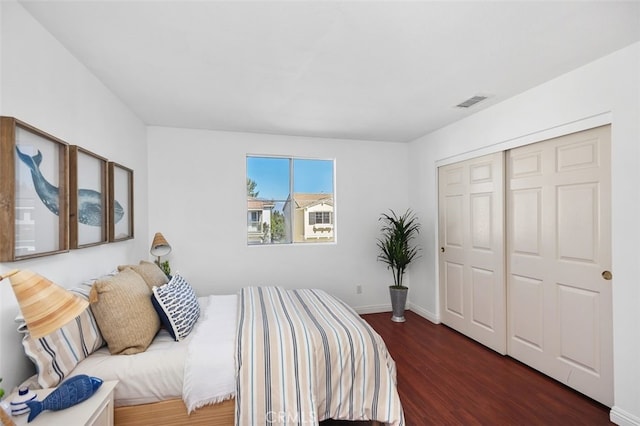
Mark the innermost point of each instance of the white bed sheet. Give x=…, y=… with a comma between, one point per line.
x=151, y=376
x=207, y=376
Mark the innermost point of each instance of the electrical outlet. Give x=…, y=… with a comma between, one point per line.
x=358, y=289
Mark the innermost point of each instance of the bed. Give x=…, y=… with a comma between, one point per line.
x=266, y=355
x=151, y=382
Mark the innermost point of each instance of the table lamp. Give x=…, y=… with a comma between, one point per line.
x=45, y=305
x=159, y=247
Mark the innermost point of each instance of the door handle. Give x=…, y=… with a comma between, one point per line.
x=607, y=275
x=442, y=249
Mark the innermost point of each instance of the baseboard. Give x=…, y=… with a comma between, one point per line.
x=376, y=309
x=424, y=313
x=622, y=418
x=373, y=309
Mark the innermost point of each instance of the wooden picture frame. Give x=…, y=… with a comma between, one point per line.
x=88, y=198
x=120, y=202
x=34, y=192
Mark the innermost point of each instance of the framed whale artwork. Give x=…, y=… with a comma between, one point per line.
x=34, y=193
x=120, y=202
x=88, y=216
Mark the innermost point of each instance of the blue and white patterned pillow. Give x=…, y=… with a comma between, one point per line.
x=177, y=306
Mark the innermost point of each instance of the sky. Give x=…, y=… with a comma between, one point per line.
x=272, y=176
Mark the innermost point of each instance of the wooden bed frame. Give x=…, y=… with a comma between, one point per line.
x=173, y=412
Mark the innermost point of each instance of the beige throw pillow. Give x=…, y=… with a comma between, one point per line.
x=123, y=310
x=149, y=271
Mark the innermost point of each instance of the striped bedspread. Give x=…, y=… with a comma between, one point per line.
x=305, y=356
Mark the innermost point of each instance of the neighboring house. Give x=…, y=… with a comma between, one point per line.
x=313, y=218
x=258, y=220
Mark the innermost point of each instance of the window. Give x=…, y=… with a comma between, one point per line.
x=319, y=217
x=290, y=200
x=255, y=221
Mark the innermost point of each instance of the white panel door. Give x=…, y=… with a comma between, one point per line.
x=471, y=236
x=559, y=258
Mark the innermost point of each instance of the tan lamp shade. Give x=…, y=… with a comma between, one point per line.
x=160, y=246
x=45, y=306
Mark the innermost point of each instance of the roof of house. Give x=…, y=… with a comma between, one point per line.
x=258, y=204
x=304, y=200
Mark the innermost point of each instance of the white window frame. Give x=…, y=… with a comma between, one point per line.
x=290, y=222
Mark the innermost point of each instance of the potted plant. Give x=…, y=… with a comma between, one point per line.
x=397, y=251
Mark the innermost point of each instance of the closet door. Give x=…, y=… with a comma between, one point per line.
x=471, y=236
x=559, y=260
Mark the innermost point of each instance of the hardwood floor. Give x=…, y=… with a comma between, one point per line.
x=445, y=378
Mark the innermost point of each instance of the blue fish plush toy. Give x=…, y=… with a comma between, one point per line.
x=71, y=392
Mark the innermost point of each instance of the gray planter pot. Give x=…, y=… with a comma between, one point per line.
x=398, y=302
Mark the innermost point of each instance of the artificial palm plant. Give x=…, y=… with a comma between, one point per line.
x=396, y=244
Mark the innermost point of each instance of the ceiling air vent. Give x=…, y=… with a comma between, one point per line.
x=471, y=101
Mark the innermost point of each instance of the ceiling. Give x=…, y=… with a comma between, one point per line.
x=387, y=70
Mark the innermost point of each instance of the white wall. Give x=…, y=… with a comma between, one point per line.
x=197, y=199
x=607, y=90
x=43, y=85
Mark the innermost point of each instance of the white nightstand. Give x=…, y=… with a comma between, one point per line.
x=95, y=411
